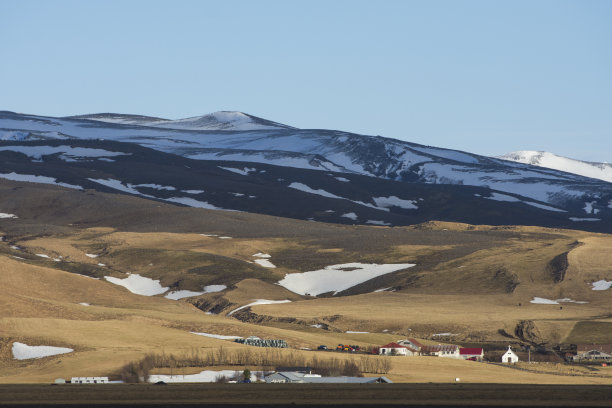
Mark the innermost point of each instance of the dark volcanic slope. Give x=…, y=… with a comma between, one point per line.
x=127, y=168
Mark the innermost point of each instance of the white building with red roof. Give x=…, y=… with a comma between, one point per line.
x=475, y=354
x=394, y=349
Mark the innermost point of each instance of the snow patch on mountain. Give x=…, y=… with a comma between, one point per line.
x=336, y=278
x=139, y=285
x=37, y=179
x=394, y=201
x=245, y=171
x=22, y=351
x=259, y=302
x=601, y=171
x=68, y=153
x=602, y=285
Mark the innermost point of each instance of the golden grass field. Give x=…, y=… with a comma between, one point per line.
x=475, y=282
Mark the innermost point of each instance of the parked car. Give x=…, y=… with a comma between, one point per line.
x=322, y=347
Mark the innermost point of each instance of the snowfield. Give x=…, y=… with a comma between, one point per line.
x=336, y=278
x=393, y=201
x=265, y=263
x=139, y=285
x=602, y=171
x=544, y=301
x=180, y=294
x=22, y=351
x=602, y=285
x=68, y=153
x=217, y=336
x=37, y=179
x=259, y=302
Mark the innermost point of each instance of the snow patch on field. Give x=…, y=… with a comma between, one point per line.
x=262, y=255
x=265, y=263
x=544, y=301
x=344, y=180
x=22, y=351
x=356, y=332
x=139, y=285
x=336, y=278
x=5, y=215
x=217, y=336
x=180, y=294
x=350, y=215
x=602, y=285
x=192, y=191
x=91, y=255
x=259, y=302
x=84, y=304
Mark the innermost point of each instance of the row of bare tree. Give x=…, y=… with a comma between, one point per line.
x=264, y=359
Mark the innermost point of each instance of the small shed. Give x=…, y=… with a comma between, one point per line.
x=510, y=357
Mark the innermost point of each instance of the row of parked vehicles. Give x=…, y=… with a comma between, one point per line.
x=343, y=347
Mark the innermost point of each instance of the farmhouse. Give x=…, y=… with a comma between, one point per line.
x=441, y=350
x=509, y=357
x=304, y=378
x=412, y=343
x=593, y=352
x=475, y=354
x=89, y=380
x=395, y=349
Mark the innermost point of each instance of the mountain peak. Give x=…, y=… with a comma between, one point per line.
x=220, y=120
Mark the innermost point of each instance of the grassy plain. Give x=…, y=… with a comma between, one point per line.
x=475, y=282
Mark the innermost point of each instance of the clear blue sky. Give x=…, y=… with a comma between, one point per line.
x=482, y=76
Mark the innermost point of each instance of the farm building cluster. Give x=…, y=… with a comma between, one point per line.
x=412, y=347
x=592, y=352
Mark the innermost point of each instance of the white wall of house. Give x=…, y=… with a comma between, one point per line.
x=389, y=351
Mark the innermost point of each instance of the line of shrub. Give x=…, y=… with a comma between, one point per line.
x=267, y=359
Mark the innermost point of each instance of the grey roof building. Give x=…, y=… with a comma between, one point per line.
x=304, y=378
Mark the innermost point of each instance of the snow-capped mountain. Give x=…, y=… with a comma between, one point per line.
x=222, y=120
x=575, y=198
x=601, y=171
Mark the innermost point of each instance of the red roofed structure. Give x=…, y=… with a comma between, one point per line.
x=476, y=354
x=396, y=349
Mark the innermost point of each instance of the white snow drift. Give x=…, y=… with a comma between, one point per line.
x=139, y=285
x=544, y=301
x=336, y=278
x=217, y=336
x=22, y=351
x=180, y=294
x=602, y=285
x=259, y=302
